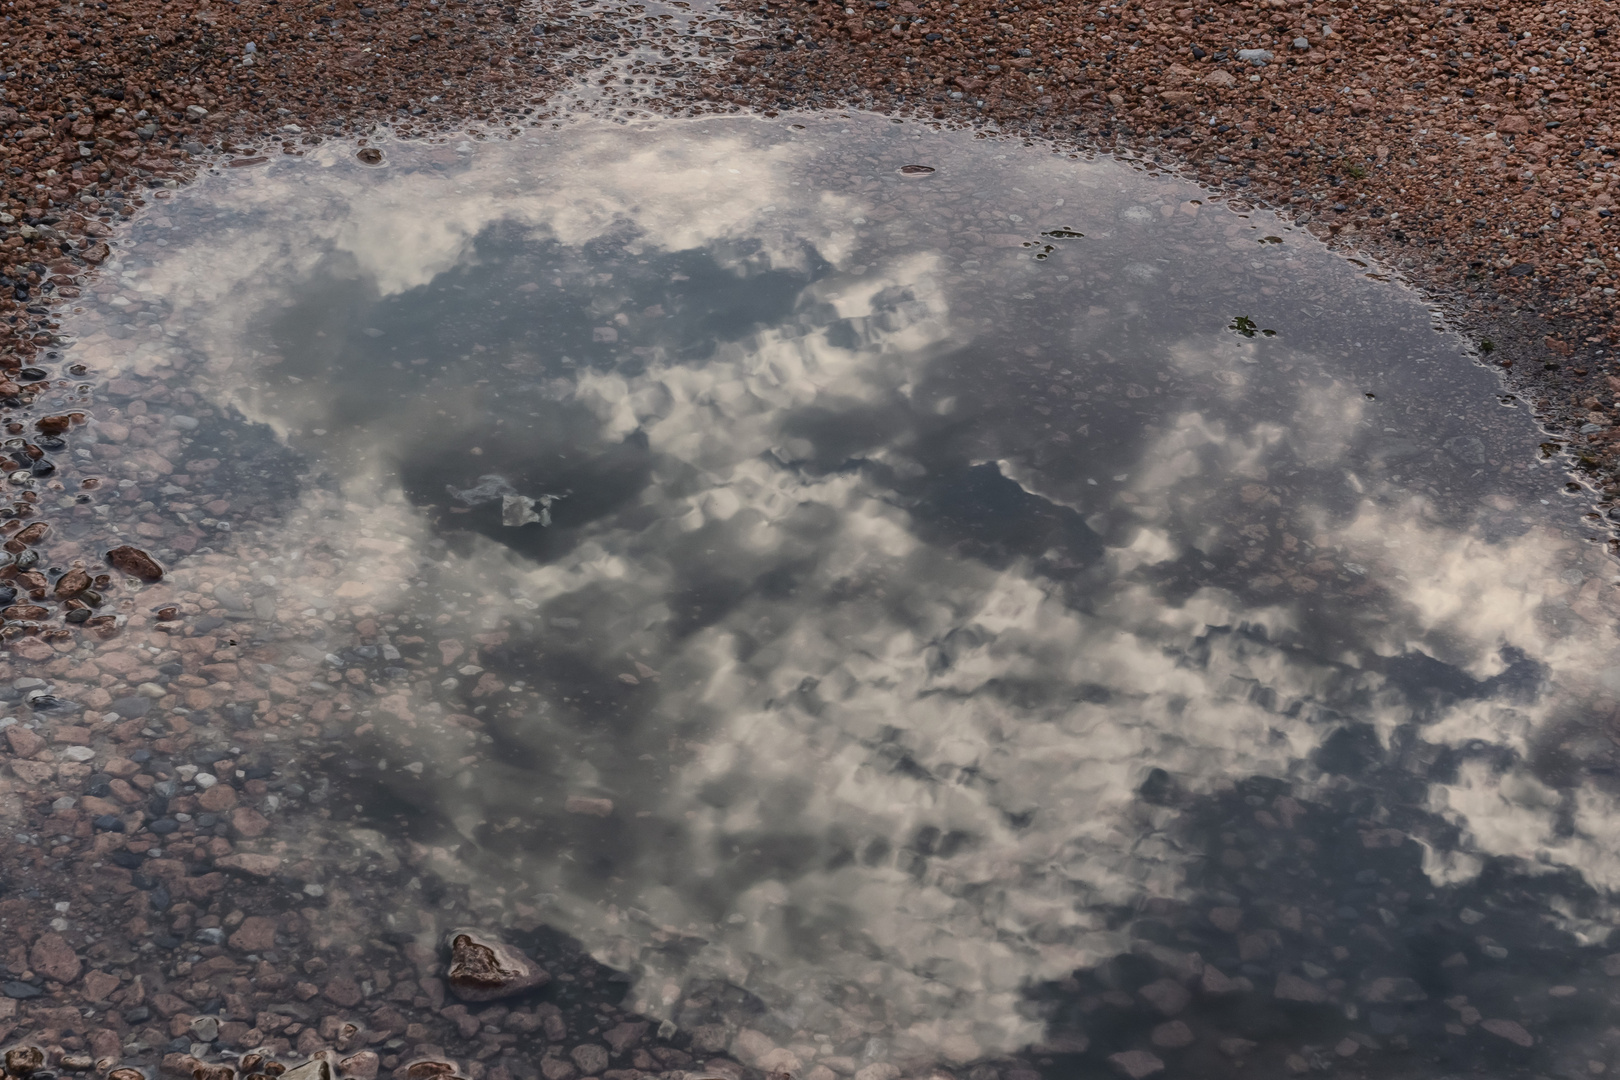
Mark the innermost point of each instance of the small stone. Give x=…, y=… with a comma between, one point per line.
x=482, y=969
x=1214, y=981
x=24, y=1060
x=361, y=1066
x=370, y=155
x=1234, y=1047
x=1221, y=78
x=429, y=1069
x=1511, y=1030
x=1229, y=919
x=1136, y=1063
x=342, y=990
x=1257, y=57
x=54, y=958
x=580, y=804
x=1172, y=1035
x=1294, y=988
x=591, y=1059
x=1166, y=995
x=131, y=708
x=1389, y=989
x=625, y=1036
x=205, y=1028
x=256, y=935
x=71, y=584
x=26, y=744
x=249, y=823
x=135, y=562
x=250, y=864
x=1302, y=44
x=314, y=1069
x=1346, y=1047
x=99, y=984
x=878, y=1070
x=218, y=798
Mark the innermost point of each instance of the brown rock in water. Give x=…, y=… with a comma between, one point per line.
x=24, y=1060
x=53, y=958
x=72, y=584
x=482, y=969
x=25, y=612
x=34, y=533
x=429, y=1070
x=256, y=934
x=135, y=562
x=361, y=1066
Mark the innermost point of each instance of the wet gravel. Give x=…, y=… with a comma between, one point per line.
x=1467, y=147
x=150, y=916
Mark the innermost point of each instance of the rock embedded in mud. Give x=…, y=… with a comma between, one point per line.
x=135, y=562
x=482, y=969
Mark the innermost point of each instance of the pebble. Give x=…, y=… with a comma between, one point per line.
x=135, y=562
x=484, y=969
x=1136, y=1064
x=1511, y=1030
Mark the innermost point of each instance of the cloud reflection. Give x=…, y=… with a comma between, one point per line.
x=903, y=658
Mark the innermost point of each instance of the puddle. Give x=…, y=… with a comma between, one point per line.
x=898, y=619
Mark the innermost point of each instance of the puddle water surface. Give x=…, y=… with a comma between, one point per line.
x=898, y=619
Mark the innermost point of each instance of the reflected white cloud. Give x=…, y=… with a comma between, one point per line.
x=908, y=771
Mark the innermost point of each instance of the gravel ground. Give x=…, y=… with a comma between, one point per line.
x=1464, y=146
x=98, y=105
x=1467, y=146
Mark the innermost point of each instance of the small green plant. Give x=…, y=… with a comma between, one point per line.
x=1247, y=327
x=1356, y=171
x=1487, y=346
